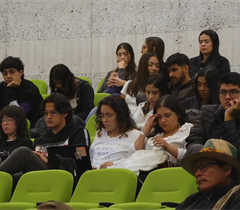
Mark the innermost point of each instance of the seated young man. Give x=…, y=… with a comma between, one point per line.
x=217, y=173
x=219, y=121
x=181, y=85
x=15, y=90
x=62, y=131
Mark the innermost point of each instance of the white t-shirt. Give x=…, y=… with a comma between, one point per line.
x=139, y=117
x=177, y=140
x=130, y=100
x=107, y=149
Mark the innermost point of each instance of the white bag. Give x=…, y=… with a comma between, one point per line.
x=144, y=160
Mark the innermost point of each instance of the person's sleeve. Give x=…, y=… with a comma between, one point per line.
x=230, y=133
x=104, y=85
x=81, y=137
x=124, y=89
x=121, y=73
x=198, y=133
x=224, y=66
x=9, y=96
x=86, y=100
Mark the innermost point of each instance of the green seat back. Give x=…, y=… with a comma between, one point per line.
x=6, y=182
x=100, y=84
x=167, y=184
x=91, y=127
x=41, y=186
x=86, y=79
x=42, y=85
x=98, y=97
x=106, y=185
x=45, y=96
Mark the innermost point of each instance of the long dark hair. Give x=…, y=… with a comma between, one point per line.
x=119, y=105
x=174, y=105
x=131, y=67
x=214, y=57
x=157, y=44
x=212, y=76
x=60, y=72
x=20, y=118
x=139, y=82
x=159, y=82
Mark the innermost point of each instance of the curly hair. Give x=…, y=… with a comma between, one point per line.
x=20, y=118
x=118, y=104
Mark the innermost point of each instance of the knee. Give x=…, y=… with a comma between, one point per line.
x=22, y=151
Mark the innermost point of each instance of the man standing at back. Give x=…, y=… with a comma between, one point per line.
x=15, y=90
x=181, y=85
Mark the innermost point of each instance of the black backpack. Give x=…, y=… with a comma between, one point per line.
x=67, y=164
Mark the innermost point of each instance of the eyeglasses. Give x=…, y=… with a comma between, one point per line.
x=204, y=167
x=52, y=113
x=11, y=71
x=107, y=116
x=7, y=120
x=233, y=93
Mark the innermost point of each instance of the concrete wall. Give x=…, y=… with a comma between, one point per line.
x=83, y=34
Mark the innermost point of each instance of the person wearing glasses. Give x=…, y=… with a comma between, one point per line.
x=219, y=121
x=16, y=90
x=61, y=131
x=217, y=172
x=206, y=92
x=116, y=133
x=13, y=131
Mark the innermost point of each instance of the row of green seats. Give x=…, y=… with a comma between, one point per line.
x=117, y=186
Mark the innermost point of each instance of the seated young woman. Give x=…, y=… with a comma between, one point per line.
x=148, y=64
x=116, y=133
x=79, y=92
x=126, y=70
x=156, y=45
x=155, y=88
x=206, y=92
x=171, y=128
x=13, y=131
x=209, y=54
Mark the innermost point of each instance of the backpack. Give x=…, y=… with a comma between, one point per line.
x=67, y=164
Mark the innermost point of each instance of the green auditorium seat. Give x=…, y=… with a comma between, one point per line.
x=91, y=127
x=86, y=79
x=100, y=84
x=42, y=85
x=104, y=185
x=98, y=97
x=162, y=185
x=40, y=186
x=6, y=182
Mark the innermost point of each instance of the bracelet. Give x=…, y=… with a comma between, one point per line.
x=144, y=135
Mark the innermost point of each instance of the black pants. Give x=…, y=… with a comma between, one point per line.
x=22, y=159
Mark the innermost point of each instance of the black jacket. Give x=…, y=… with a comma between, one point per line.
x=85, y=99
x=195, y=65
x=70, y=134
x=183, y=91
x=201, y=201
x=192, y=107
x=211, y=124
x=27, y=96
